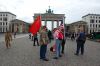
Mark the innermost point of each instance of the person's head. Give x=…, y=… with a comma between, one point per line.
x=81, y=30
x=54, y=29
x=43, y=28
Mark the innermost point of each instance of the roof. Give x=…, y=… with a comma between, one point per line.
x=91, y=14
x=17, y=20
x=79, y=22
x=9, y=13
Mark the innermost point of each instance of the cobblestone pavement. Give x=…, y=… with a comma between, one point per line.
x=23, y=53
x=2, y=36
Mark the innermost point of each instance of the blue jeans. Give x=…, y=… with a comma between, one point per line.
x=80, y=45
x=58, y=47
x=43, y=49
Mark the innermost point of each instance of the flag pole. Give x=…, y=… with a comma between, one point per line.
x=64, y=25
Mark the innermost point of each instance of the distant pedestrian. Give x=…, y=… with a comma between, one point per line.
x=80, y=43
x=72, y=36
x=8, y=39
x=38, y=36
x=63, y=42
x=43, y=43
x=29, y=35
x=49, y=35
x=14, y=34
x=35, y=40
x=63, y=46
x=32, y=37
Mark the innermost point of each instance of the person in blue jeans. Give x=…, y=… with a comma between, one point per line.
x=80, y=43
x=58, y=35
x=43, y=43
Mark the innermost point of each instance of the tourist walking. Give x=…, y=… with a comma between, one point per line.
x=8, y=39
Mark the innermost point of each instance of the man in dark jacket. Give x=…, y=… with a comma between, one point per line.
x=80, y=43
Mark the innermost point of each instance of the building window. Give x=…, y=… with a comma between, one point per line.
x=90, y=31
x=90, y=25
x=96, y=17
x=3, y=14
x=99, y=21
x=3, y=23
x=6, y=28
x=96, y=25
x=99, y=26
x=6, y=15
x=93, y=30
x=93, y=25
x=0, y=14
x=6, y=23
x=90, y=16
x=0, y=19
x=4, y=19
x=91, y=21
x=3, y=29
x=96, y=21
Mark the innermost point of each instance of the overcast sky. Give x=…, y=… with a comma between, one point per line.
x=73, y=9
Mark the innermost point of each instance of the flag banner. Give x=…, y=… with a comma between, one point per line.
x=34, y=28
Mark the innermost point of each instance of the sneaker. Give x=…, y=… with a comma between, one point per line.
x=45, y=59
x=55, y=58
x=76, y=54
x=60, y=55
x=81, y=53
x=34, y=45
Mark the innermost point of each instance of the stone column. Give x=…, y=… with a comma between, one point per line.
x=57, y=23
x=64, y=25
x=52, y=25
x=45, y=23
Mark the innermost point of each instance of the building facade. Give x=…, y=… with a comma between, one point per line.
x=75, y=27
x=5, y=18
x=93, y=22
x=19, y=26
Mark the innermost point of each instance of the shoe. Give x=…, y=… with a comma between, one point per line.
x=34, y=45
x=60, y=55
x=62, y=52
x=41, y=58
x=76, y=54
x=55, y=58
x=45, y=59
x=81, y=53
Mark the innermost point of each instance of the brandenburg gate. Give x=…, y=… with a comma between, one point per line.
x=50, y=16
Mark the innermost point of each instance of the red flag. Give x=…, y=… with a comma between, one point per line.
x=34, y=28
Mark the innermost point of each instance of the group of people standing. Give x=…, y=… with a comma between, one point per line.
x=59, y=41
x=44, y=40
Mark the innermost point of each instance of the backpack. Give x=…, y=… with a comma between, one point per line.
x=60, y=36
x=82, y=37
